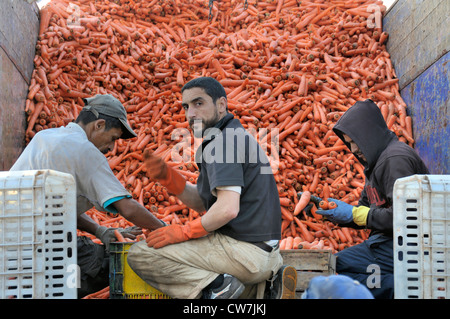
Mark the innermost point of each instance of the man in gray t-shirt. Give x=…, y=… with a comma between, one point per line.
x=228, y=158
x=77, y=149
x=233, y=246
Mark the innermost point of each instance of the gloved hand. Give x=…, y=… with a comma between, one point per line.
x=345, y=213
x=173, y=234
x=130, y=232
x=167, y=176
x=106, y=234
x=342, y=214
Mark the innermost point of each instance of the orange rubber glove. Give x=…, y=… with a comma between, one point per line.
x=167, y=176
x=175, y=233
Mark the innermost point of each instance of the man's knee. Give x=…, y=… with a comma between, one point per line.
x=134, y=252
x=354, y=259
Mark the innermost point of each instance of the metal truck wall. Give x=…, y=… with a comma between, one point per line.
x=419, y=44
x=19, y=27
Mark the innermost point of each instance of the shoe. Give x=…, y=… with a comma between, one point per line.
x=231, y=288
x=283, y=284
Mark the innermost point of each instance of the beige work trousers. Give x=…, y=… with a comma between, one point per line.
x=182, y=270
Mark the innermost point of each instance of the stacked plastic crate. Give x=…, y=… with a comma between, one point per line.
x=38, y=235
x=422, y=237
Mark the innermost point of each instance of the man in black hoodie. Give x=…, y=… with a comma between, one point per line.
x=385, y=159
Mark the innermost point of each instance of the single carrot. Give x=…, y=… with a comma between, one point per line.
x=347, y=235
x=303, y=230
x=119, y=236
x=340, y=235
x=315, y=182
x=289, y=244
x=302, y=203
x=331, y=205
x=324, y=205
x=285, y=201
x=283, y=244
x=286, y=214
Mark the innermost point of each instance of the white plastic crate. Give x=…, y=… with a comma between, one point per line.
x=38, y=253
x=422, y=237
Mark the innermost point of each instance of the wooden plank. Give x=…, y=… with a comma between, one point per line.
x=314, y=260
x=303, y=279
x=309, y=264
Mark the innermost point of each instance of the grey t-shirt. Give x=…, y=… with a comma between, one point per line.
x=68, y=150
x=230, y=156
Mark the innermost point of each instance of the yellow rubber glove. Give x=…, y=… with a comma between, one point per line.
x=360, y=215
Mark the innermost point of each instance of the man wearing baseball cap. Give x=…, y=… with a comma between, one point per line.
x=108, y=105
x=77, y=149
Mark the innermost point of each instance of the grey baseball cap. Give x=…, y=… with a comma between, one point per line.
x=108, y=105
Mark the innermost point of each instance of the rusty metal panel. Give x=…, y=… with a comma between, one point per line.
x=428, y=102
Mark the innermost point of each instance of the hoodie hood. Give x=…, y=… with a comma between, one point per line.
x=365, y=125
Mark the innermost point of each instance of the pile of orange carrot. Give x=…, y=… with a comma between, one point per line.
x=288, y=66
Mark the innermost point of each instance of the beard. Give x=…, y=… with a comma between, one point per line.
x=199, y=126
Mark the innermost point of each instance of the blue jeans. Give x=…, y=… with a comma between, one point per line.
x=371, y=263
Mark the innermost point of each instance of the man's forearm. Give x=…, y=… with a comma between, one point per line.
x=191, y=198
x=86, y=223
x=137, y=214
x=222, y=211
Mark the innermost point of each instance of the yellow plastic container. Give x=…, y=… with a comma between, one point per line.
x=124, y=283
